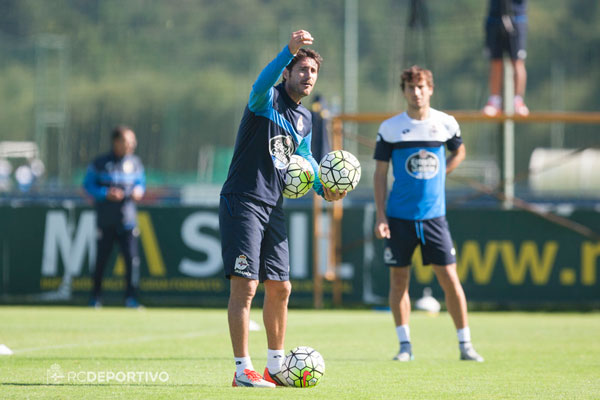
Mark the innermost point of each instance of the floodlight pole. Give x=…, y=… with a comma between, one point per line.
x=508, y=137
x=350, y=72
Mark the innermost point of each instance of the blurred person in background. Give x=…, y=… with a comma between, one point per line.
x=416, y=208
x=254, y=241
x=506, y=33
x=116, y=182
x=320, y=136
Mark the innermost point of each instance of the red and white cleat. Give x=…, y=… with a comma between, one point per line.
x=277, y=378
x=250, y=378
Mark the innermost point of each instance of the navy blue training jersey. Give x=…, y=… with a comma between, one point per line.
x=516, y=8
x=273, y=128
x=109, y=171
x=416, y=149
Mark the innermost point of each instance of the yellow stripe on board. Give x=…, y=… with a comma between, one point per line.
x=156, y=265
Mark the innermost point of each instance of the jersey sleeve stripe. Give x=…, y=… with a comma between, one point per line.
x=406, y=145
x=283, y=123
x=454, y=143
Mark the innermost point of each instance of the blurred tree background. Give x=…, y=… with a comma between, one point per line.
x=179, y=72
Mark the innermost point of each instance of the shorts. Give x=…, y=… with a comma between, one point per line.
x=433, y=236
x=254, y=241
x=498, y=41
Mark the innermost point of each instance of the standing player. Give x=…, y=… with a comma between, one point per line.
x=117, y=181
x=506, y=32
x=416, y=208
x=254, y=243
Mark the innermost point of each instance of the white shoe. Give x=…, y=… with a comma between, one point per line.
x=520, y=107
x=250, y=378
x=491, y=110
x=468, y=353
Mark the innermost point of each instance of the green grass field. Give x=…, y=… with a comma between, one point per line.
x=528, y=355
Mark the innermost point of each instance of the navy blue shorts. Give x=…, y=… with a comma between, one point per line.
x=433, y=236
x=498, y=41
x=254, y=241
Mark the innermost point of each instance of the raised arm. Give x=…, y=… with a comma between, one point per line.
x=261, y=93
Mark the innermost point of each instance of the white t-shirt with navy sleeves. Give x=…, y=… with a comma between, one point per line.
x=416, y=150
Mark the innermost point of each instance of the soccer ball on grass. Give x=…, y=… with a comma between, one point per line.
x=303, y=367
x=299, y=177
x=339, y=170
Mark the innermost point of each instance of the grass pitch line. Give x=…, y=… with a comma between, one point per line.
x=5, y=351
x=141, y=339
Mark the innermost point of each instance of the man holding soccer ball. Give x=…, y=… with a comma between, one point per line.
x=254, y=243
x=415, y=213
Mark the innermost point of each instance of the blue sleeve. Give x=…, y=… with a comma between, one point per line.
x=91, y=186
x=140, y=180
x=262, y=90
x=304, y=151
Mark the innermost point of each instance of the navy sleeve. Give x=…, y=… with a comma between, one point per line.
x=383, y=149
x=454, y=143
x=262, y=90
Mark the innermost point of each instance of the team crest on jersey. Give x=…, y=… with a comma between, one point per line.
x=128, y=166
x=300, y=124
x=433, y=130
x=281, y=150
x=422, y=165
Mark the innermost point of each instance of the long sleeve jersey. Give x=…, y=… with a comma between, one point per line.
x=273, y=128
x=109, y=171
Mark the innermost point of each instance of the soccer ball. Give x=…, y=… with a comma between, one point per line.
x=339, y=170
x=303, y=367
x=299, y=177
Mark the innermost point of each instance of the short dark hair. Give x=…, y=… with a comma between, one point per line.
x=118, y=131
x=415, y=74
x=302, y=54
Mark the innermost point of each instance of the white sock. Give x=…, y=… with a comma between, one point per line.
x=464, y=335
x=274, y=360
x=403, y=332
x=242, y=363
